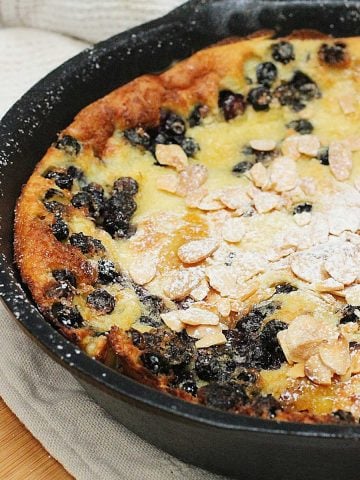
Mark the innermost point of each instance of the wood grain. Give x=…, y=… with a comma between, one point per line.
x=21, y=456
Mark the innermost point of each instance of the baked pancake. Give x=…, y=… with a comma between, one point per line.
x=199, y=230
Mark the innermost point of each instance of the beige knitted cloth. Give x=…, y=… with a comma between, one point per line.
x=53, y=406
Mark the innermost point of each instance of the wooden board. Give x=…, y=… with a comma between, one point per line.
x=21, y=456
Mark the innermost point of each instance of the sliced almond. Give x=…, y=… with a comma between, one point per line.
x=198, y=316
x=223, y=280
x=178, y=284
x=197, y=250
x=343, y=264
x=168, y=182
x=308, y=145
x=233, y=230
x=223, y=306
x=266, y=201
x=340, y=160
x=259, y=175
x=336, y=355
x=343, y=218
x=201, y=291
x=352, y=295
x=200, y=331
x=355, y=361
x=190, y=179
x=317, y=371
x=143, y=269
x=172, y=156
x=284, y=174
x=329, y=285
x=210, y=340
x=302, y=219
x=210, y=202
x=171, y=320
x=234, y=198
x=263, y=145
x=289, y=147
x=307, y=266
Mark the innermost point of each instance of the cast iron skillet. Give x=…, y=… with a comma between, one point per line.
x=242, y=447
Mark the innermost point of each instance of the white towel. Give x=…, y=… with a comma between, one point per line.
x=35, y=37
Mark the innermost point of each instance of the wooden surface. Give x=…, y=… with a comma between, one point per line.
x=21, y=456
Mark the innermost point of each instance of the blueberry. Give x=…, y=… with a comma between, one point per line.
x=106, y=271
x=349, y=315
x=260, y=98
x=343, y=416
x=301, y=126
x=69, y=144
x=138, y=137
x=54, y=207
x=302, y=207
x=189, y=387
x=197, y=114
x=60, y=229
x=267, y=407
x=127, y=185
x=150, y=321
x=102, y=301
x=121, y=201
x=64, y=275
x=68, y=316
x=223, y=396
x=334, y=54
x=154, y=362
x=241, y=167
x=285, y=288
x=207, y=367
x=266, y=73
x=190, y=146
x=251, y=323
x=247, y=376
x=53, y=192
x=81, y=199
x=62, y=179
x=60, y=290
x=232, y=104
x=94, y=194
x=74, y=172
x=305, y=86
x=323, y=155
x=85, y=243
x=283, y=52
x=172, y=123
x=117, y=224
x=294, y=93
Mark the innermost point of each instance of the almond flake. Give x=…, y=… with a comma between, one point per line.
x=343, y=265
x=209, y=340
x=329, y=285
x=308, y=145
x=259, y=175
x=340, y=160
x=289, y=147
x=247, y=290
x=210, y=202
x=283, y=174
x=171, y=320
x=303, y=337
x=266, y=201
x=190, y=179
x=197, y=250
x=307, y=266
x=343, y=218
x=234, y=198
x=143, y=269
x=223, y=280
x=179, y=283
x=168, y=182
x=224, y=307
x=347, y=103
x=263, y=145
x=198, y=316
x=233, y=230
x=194, y=197
x=302, y=219
x=172, y=156
x=355, y=361
x=201, y=291
x=317, y=371
x=336, y=355
x=352, y=295
x=200, y=331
